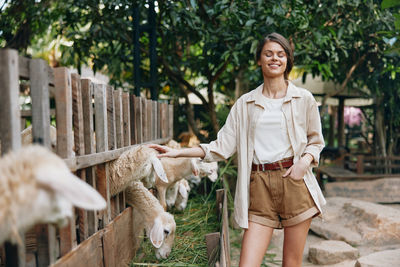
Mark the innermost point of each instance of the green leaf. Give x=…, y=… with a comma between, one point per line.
x=193, y=4
x=389, y=3
x=250, y=22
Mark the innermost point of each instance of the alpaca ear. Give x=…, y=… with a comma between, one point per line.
x=195, y=167
x=78, y=192
x=159, y=169
x=157, y=233
x=183, y=190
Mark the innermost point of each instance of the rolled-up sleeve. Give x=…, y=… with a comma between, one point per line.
x=225, y=144
x=315, y=140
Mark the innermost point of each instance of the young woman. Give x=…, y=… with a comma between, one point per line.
x=276, y=131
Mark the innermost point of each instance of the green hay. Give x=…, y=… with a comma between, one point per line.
x=198, y=219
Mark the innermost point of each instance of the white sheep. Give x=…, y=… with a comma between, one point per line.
x=178, y=194
x=135, y=164
x=208, y=169
x=36, y=186
x=176, y=169
x=27, y=137
x=160, y=225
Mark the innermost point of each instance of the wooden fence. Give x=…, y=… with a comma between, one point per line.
x=95, y=124
x=218, y=243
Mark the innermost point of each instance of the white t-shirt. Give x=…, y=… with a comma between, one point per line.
x=271, y=136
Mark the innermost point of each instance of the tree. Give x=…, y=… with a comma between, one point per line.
x=211, y=44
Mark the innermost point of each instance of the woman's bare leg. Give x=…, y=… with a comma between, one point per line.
x=254, y=244
x=294, y=242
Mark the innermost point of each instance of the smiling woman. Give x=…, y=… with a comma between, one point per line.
x=276, y=131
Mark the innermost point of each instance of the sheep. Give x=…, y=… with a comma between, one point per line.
x=180, y=168
x=209, y=169
x=160, y=225
x=173, y=144
x=135, y=164
x=177, y=195
x=175, y=169
x=36, y=186
x=27, y=139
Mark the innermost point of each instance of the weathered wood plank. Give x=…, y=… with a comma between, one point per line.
x=88, y=253
x=126, y=119
x=47, y=244
x=87, y=107
x=154, y=115
x=212, y=243
x=102, y=182
x=118, y=240
x=138, y=119
x=145, y=121
x=113, y=137
x=171, y=121
x=40, y=102
x=118, y=118
x=79, y=141
x=111, y=118
x=149, y=122
x=164, y=121
x=225, y=232
x=63, y=97
x=24, y=70
x=132, y=106
x=85, y=161
x=10, y=127
x=28, y=113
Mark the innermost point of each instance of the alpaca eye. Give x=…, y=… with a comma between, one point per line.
x=166, y=232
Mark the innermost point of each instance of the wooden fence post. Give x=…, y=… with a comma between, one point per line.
x=63, y=95
x=149, y=122
x=87, y=107
x=171, y=121
x=113, y=135
x=138, y=120
x=102, y=182
x=77, y=110
x=10, y=130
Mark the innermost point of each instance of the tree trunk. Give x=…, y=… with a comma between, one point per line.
x=191, y=120
x=212, y=111
x=380, y=127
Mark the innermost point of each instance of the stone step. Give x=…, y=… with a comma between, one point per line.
x=331, y=252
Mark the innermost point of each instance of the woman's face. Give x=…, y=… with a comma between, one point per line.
x=273, y=60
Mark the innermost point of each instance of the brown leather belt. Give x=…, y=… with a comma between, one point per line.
x=284, y=163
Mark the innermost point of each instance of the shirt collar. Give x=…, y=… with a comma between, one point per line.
x=256, y=94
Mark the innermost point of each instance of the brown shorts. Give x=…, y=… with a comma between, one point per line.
x=279, y=202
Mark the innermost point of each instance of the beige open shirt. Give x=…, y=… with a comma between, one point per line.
x=237, y=135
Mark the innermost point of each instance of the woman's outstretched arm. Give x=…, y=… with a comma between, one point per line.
x=165, y=151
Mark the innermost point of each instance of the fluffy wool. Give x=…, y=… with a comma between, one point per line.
x=135, y=164
x=159, y=225
x=36, y=186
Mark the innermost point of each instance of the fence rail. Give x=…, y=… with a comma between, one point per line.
x=95, y=124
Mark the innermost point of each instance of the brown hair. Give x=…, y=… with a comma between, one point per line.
x=277, y=38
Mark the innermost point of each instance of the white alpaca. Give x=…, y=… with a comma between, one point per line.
x=36, y=186
x=135, y=164
x=149, y=215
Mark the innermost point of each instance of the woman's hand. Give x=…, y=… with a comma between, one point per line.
x=165, y=151
x=299, y=169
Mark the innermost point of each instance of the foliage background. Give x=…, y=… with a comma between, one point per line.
x=210, y=45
